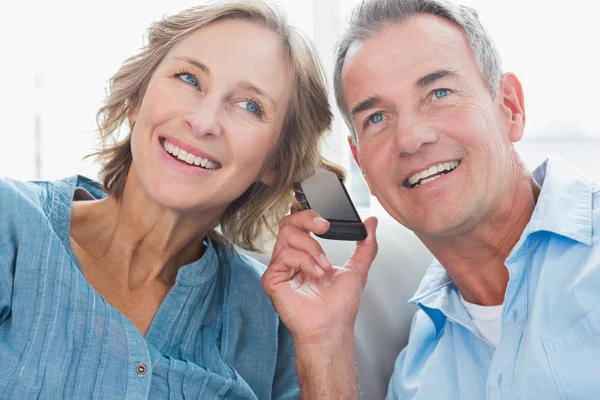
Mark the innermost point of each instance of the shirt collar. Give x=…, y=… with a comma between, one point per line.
x=435, y=278
x=564, y=207
x=201, y=270
x=438, y=297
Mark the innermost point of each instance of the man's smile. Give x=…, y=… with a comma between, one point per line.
x=431, y=173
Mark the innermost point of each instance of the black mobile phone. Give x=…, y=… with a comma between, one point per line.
x=325, y=193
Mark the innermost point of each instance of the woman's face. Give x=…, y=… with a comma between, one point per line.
x=211, y=114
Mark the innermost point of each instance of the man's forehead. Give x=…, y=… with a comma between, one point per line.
x=421, y=42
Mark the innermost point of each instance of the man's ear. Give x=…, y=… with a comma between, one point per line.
x=513, y=104
x=354, y=150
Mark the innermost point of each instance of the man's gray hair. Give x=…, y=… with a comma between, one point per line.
x=371, y=16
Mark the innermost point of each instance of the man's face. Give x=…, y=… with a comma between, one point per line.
x=434, y=145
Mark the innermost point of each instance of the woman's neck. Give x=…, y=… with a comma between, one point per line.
x=142, y=239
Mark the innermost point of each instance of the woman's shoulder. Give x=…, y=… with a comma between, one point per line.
x=242, y=266
x=28, y=202
x=23, y=201
x=243, y=276
x=19, y=196
x=14, y=193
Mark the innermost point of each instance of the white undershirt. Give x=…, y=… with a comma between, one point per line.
x=487, y=319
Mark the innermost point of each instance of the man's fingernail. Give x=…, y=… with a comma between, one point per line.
x=319, y=270
x=324, y=259
x=320, y=220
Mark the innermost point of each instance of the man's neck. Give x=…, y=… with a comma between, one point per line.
x=475, y=259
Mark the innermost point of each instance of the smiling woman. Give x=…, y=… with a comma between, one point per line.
x=124, y=288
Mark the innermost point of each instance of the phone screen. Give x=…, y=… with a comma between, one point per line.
x=327, y=195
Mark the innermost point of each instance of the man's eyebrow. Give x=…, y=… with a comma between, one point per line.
x=423, y=81
x=435, y=76
x=195, y=63
x=365, y=105
x=256, y=90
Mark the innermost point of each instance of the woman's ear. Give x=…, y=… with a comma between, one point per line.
x=513, y=104
x=268, y=177
x=133, y=114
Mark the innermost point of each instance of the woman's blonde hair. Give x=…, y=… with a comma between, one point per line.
x=255, y=215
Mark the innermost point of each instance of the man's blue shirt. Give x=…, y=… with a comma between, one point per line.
x=550, y=343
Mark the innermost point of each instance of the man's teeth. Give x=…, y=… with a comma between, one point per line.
x=430, y=174
x=189, y=158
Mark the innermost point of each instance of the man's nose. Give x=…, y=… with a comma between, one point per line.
x=411, y=136
x=204, y=119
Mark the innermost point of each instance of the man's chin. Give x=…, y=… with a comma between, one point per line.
x=438, y=227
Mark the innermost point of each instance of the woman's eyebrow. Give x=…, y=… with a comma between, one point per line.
x=255, y=89
x=195, y=63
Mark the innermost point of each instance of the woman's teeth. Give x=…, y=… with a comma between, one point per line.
x=189, y=158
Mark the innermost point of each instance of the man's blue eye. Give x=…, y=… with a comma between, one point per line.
x=439, y=93
x=189, y=78
x=375, y=118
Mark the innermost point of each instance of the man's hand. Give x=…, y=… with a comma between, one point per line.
x=318, y=302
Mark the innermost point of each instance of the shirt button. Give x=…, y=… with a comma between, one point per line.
x=141, y=369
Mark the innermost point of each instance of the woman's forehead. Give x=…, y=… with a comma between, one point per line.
x=240, y=49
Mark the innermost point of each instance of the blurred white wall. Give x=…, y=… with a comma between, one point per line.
x=72, y=48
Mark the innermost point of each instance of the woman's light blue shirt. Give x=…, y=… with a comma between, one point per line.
x=215, y=336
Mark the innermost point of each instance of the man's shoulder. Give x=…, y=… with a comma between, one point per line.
x=423, y=337
x=424, y=326
x=413, y=360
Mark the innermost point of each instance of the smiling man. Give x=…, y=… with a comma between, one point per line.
x=510, y=308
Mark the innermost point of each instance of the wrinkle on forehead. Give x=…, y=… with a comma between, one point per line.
x=415, y=47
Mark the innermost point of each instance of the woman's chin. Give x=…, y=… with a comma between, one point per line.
x=185, y=201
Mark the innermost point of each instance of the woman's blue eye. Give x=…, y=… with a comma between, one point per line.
x=375, y=118
x=439, y=93
x=251, y=107
x=189, y=78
